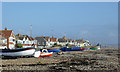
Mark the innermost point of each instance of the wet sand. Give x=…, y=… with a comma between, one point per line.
x=103, y=59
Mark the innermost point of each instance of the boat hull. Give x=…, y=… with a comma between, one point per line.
x=72, y=49
x=18, y=52
x=46, y=54
x=54, y=50
x=95, y=48
x=78, y=49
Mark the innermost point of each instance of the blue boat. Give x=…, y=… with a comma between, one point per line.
x=65, y=49
x=72, y=49
x=53, y=49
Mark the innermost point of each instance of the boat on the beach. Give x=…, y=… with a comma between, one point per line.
x=72, y=49
x=45, y=53
x=17, y=52
x=53, y=49
x=95, y=47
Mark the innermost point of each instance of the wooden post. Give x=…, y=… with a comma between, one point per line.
x=8, y=43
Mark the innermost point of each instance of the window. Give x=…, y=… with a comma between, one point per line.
x=11, y=39
x=23, y=42
x=5, y=41
x=27, y=42
x=35, y=41
x=38, y=43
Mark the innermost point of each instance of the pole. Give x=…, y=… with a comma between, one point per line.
x=31, y=30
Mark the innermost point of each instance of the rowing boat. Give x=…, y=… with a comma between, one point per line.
x=17, y=52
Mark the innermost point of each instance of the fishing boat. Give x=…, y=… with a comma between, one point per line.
x=65, y=49
x=72, y=49
x=17, y=52
x=45, y=53
x=95, y=47
x=53, y=49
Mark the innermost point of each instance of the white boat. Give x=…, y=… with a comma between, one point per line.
x=43, y=53
x=18, y=52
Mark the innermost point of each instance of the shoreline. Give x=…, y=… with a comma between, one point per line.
x=103, y=59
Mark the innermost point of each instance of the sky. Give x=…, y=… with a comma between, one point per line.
x=93, y=21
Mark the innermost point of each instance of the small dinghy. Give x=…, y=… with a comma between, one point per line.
x=17, y=52
x=45, y=53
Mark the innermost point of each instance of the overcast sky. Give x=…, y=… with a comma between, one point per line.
x=93, y=21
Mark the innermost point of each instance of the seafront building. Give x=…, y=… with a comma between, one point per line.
x=7, y=39
x=79, y=43
x=25, y=40
x=46, y=42
x=10, y=41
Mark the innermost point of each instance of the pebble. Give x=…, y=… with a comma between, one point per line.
x=91, y=60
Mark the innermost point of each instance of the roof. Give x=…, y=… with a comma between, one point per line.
x=6, y=33
x=62, y=40
x=53, y=39
x=31, y=38
x=80, y=40
x=46, y=38
x=21, y=37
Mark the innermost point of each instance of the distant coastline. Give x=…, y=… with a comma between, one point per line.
x=110, y=45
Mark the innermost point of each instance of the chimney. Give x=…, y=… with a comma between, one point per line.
x=52, y=37
x=5, y=28
x=18, y=34
x=8, y=43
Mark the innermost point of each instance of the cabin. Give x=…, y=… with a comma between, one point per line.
x=7, y=39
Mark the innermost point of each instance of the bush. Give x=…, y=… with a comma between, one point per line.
x=55, y=44
x=19, y=45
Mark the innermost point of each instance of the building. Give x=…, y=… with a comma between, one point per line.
x=79, y=43
x=46, y=42
x=25, y=40
x=63, y=41
x=53, y=40
x=7, y=39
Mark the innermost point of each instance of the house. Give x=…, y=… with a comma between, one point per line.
x=63, y=41
x=79, y=42
x=53, y=40
x=82, y=43
x=7, y=39
x=46, y=42
x=42, y=41
x=25, y=40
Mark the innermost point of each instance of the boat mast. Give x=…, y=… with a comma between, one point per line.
x=31, y=30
